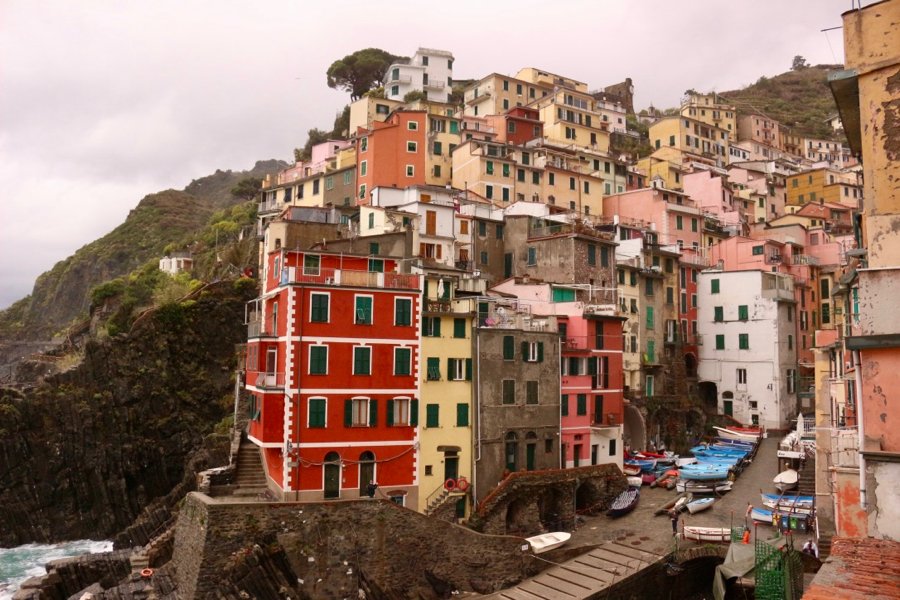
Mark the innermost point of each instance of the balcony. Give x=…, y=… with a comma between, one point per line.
x=804, y=259
x=346, y=277
x=434, y=85
x=272, y=381
x=500, y=317
x=257, y=329
x=269, y=206
x=605, y=420
x=438, y=306
x=400, y=79
x=580, y=342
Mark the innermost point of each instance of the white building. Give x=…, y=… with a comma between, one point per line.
x=748, y=355
x=176, y=263
x=429, y=70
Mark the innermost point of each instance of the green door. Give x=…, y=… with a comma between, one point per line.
x=728, y=408
x=451, y=465
x=507, y=265
x=529, y=456
x=332, y=475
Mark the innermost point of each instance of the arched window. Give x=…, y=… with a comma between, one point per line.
x=366, y=471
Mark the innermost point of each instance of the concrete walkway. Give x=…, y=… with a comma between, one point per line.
x=630, y=543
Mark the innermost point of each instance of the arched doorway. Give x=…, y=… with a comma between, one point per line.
x=512, y=451
x=690, y=365
x=366, y=471
x=635, y=428
x=709, y=396
x=552, y=507
x=728, y=403
x=332, y=484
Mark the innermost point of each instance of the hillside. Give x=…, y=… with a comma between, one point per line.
x=62, y=294
x=800, y=99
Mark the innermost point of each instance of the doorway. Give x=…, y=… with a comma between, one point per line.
x=451, y=465
x=332, y=475
x=366, y=472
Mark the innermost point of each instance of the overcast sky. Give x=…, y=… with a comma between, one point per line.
x=102, y=103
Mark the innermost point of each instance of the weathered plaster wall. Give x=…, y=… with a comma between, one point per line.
x=885, y=521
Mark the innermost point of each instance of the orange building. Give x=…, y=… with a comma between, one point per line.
x=392, y=153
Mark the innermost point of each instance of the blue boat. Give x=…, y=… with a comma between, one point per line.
x=736, y=443
x=704, y=475
x=646, y=465
x=788, y=499
x=624, y=502
x=761, y=515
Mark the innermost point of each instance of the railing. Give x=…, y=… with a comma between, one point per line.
x=845, y=447
x=579, y=342
x=269, y=380
x=612, y=420
x=439, y=306
x=437, y=85
x=346, y=277
x=464, y=265
x=269, y=206
x=804, y=259
x=258, y=328
x=525, y=322
x=400, y=79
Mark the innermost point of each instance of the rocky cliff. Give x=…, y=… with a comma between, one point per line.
x=82, y=453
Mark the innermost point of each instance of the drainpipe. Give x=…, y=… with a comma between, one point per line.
x=862, y=432
x=477, y=408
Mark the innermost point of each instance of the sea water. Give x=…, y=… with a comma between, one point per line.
x=19, y=563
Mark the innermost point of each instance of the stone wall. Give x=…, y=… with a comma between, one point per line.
x=527, y=503
x=331, y=548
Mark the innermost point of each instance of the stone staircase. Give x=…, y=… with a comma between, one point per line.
x=806, y=482
x=251, y=477
x=824, y=547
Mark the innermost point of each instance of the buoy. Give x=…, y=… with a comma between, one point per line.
x=462, y=484
x=450, y=485
x=147, y=573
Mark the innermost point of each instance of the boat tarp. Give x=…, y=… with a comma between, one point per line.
x=739, y=562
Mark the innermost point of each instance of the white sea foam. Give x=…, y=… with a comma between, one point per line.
x=19, y=563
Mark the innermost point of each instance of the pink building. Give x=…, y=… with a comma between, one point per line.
x=713, y=195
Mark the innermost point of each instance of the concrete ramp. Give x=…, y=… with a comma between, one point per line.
x=583, y=577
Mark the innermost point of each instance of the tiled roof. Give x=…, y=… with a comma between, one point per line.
x=858, y=568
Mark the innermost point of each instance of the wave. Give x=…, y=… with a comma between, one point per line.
x=19, y=563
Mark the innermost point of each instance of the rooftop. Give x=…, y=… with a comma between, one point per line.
x=858, y=568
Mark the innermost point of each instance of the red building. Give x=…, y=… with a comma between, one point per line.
x=591, y=385
x=392, y=153
x=518, y=125
x=332, y=369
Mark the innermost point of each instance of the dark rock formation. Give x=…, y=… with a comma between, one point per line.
x=83, y=453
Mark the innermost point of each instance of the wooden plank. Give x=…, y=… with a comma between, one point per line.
x=544, y=591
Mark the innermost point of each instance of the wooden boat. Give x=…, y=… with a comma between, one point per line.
x=735, y=443
x=784, y=505
x=788, y=499
x=624, y=502
x=645, y=465
x=631, y=470
x=699, y=504
x=706, y=487
x=786, y=480
x=703, y=473
x=761, y=515
x=548, y=541
x=686, y=460
x=706, y=534
x=635, y=481
x=738, y=435
x=668, y=505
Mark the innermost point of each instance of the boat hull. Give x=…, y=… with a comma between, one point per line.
x=706, y=534
x=699, y=505
x=624, y=502
x=548, y=541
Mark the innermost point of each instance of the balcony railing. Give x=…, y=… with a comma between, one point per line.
x=400, y=79
x=257, y=328
x=605, y=420
x=269, y=380
x=435, y=85
x=351, y=278
x=578, y=342
x=804, y=259
x=269, y=206
x=845, y=447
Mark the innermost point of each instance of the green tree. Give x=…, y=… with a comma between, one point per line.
x=415, y=96
x=313, y=136
x=247, y=188
x=361, y=71
x=341, y=124
x=798, y=63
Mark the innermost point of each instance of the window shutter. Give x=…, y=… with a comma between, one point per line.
x=540, y=352
x=373, y=413
x=468, y=371
x=390, y=413
x=524, y=351
x=451, y=370
x=348, y=413
x=436, y=326
x=414, y=412
x=592, y=365
x=462, y=415
x=509, y=347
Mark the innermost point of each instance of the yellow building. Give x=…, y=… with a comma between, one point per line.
x=712, y=110
x=822, y=184
x=550, y=80
x=703, y=143
x=496, y=94
x=446, y=376
x=544, y=173
x=668, y=163
x=367, y=110
x=444, y=125
x=570, y=119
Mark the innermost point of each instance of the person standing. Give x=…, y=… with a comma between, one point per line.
x=673, y=515
x=748, y=515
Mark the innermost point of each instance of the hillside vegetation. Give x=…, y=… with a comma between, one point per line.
x=799, y=99
x=167, y=220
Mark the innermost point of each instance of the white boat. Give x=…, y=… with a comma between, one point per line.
x=687, y=460
x=635, y=481
x=548, y=541
x=786, y=480
x=706, y=534
x=699, y=504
